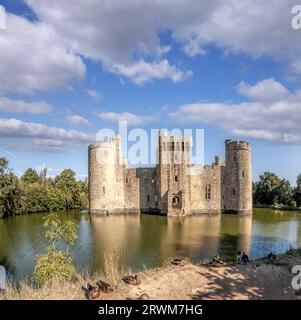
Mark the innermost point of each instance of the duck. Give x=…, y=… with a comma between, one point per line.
x=144, y=296
x=93, y=292
x=104, y=287
x=271, y=256
x=178, y=262
x=217, y=261
x=133, y=280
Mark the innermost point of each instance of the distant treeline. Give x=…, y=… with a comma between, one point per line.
x=270, y=190
x=34, y=192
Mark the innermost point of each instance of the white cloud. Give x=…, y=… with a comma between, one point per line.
x=124, y=37
x=113, y=32
x=78, y=120
x=14, y=128
x=193, y=48
x=34, y=57
x=94, y=94
x=132, y=119
x=142, y=72
x=19, y=106
x=265, y=90
x=38, y=145
x=263, y=119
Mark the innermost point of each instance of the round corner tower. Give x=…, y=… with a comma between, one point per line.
x=106, y=192
x=238, y=177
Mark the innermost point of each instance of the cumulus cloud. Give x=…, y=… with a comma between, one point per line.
x=131, y=118
x=265, y=119
x=143, y=72
x=265, y=90
x=124, y=36
x=94, y=94
x=116, y=31
x=19, y=106
x=39, y=145
x=78, y=120
x=34, y=57
x=14, y=128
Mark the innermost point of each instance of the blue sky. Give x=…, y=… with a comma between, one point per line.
x=69, y=68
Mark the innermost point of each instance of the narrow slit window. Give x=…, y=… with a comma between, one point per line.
x=208, y=192
x=103, y=190
x=176, y=178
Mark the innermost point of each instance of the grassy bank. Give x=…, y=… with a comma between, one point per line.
x=282, y=208
x=261, y=279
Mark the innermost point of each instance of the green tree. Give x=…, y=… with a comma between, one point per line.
x=3, y=165
x=30, y=176
x=35, y=198
x=284, y=194
x=10, y=191
x=55, y=201
x=265, y=189
x=297, y=191
x=271, y=190
x=69, y=188
x=56, y=263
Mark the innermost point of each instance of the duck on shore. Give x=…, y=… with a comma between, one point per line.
x=133, y=280
x=217, y=261
x=178, y=262
x=93, y=292
x=271, y=256
x=104, y=286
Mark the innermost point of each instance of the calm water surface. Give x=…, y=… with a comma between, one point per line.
x=146, y=240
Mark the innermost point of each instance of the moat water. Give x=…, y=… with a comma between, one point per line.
x=146, y=240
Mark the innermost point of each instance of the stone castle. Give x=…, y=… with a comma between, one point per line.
x=174, y=187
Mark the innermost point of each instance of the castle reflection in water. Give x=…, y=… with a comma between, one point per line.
x=154, y=240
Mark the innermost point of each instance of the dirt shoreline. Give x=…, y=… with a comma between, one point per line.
x=260, y=279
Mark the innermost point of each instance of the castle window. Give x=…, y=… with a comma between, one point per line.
x=223, y=197
x=148, y=197
x=176, y=178
x=126, y=180
x=233, y=191
x=208, y=192
x=234, y=158
x=172, y=146
x=153, y=180
x=103, y=190
x=243, y=174
x=183, y=146
x=175, y=201
x=223, y=180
